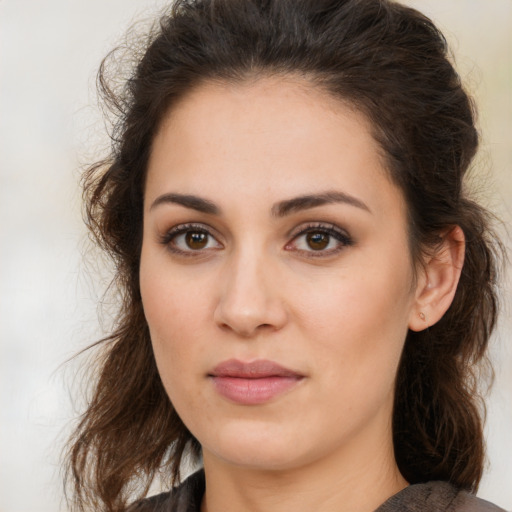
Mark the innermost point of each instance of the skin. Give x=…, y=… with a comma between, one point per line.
x=337, y=315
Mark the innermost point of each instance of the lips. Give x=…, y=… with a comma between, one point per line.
x=253, y=383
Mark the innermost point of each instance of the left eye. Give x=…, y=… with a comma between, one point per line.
x=320, y=241
x=317, y=241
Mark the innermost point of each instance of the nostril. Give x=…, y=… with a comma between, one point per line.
x=247, y=331
x=248, y=305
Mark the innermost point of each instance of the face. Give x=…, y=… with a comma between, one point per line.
x=275, y=274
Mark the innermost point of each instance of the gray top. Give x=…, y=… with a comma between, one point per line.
x=428, y=497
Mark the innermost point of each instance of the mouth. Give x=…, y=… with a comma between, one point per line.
x=253, y=383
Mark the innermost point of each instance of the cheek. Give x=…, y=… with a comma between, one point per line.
x=172, y=298
x=358, y=349
x=359, y=322
x=172, y=309
x=176, y=339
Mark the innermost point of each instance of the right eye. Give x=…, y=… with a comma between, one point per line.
x=189, y=239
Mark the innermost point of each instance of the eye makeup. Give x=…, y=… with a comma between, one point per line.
x=318, y=239
x=314, y=240
x=190, y=239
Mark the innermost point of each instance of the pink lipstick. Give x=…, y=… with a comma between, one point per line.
x=252, y=383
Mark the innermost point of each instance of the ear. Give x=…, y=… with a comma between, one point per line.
x=438, y=281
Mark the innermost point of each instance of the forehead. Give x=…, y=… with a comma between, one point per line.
x=273, y=136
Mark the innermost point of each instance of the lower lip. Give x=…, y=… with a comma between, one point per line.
x=253, y=391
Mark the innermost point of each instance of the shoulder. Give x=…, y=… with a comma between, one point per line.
x=184, y=498
x=436, y=497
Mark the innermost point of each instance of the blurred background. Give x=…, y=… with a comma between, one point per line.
x=50, y=127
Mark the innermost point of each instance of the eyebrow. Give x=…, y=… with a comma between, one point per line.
x=305, y=202
x=280, y=209
x=188, y=201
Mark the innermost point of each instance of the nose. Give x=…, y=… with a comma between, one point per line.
x=250, y=301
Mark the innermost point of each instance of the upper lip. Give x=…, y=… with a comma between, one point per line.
x=258, y=369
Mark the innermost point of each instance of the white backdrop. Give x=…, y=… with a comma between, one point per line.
x=49, y=54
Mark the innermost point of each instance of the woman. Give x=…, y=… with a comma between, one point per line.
x=307, y=289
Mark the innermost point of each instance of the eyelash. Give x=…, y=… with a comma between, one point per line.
x=344, y=239
x=171, y=235
x=341, y=236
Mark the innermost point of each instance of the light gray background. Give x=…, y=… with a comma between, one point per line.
x=49, y=126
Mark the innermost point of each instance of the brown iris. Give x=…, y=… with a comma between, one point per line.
x=196, y=240
x=317, y=241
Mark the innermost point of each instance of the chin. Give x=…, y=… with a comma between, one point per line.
x=261, y=449
x=260, y=459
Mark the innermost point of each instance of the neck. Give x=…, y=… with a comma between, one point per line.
x=335, y=483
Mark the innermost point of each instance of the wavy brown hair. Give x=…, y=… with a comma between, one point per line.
x=390, y=63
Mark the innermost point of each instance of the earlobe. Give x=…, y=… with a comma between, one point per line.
x=438, y=281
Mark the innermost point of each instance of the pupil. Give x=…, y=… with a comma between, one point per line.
x=196, y=240
x=317, y=241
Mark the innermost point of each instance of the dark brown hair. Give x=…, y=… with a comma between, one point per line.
x=390, y=63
